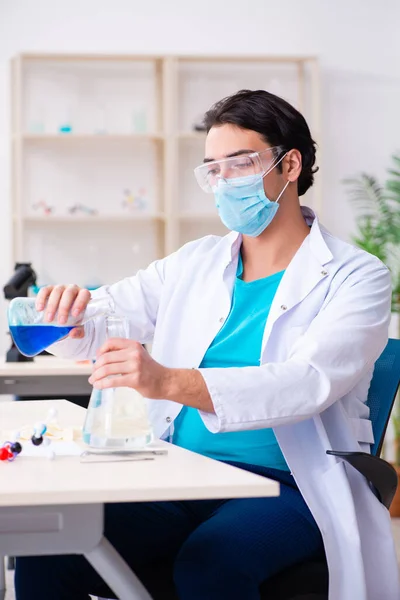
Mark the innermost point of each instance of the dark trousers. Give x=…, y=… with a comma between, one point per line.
x=207, y=550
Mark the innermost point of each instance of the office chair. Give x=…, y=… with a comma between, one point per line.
x=309, y=581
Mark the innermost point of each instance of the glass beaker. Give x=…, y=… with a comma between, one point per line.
x=117, y=418
x=32, y=334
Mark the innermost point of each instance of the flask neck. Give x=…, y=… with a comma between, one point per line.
x=117, y=327
x=98, y=307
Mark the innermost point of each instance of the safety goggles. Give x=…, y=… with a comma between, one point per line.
x=236, y=167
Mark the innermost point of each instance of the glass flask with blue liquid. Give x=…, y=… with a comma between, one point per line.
x=117, y=418
x=32, y=334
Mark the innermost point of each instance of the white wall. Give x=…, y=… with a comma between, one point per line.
x=357, y=41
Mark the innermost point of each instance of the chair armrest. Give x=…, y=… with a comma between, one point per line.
x=380, y=474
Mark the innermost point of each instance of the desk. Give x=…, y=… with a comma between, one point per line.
x=56, y=507
x=46, y=376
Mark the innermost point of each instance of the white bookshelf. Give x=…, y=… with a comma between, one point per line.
x=90, y=138
x=103, y=152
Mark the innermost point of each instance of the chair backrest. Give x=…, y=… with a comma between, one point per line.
x=383, y=390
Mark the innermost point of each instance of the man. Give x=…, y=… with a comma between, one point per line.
x=264, y=343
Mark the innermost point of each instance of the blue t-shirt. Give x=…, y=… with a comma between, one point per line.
x=238, y=344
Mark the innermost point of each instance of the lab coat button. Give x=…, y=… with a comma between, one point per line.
x=221, y=320
x=324, y=272
x=283, y=307
x=168, y=419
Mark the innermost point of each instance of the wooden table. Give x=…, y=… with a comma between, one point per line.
x=56, y=507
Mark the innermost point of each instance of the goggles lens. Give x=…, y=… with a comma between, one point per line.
x=235, y=168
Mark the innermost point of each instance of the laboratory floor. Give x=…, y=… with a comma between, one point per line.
x=10, y=584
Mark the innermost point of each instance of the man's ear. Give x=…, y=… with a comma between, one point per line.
x=292, y=165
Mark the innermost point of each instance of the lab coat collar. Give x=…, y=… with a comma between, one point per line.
x=317, y=243
x=305, y=271
x=303, y=274
x=316, y=240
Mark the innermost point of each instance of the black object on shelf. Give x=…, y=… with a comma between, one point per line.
x=18, y=284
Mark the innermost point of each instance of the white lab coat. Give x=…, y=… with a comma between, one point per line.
x=327, y=325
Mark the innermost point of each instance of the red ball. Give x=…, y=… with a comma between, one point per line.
x=5, y=453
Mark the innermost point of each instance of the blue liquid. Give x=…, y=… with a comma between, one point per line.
x=33, y=339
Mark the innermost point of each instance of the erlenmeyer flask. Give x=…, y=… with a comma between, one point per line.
x=117, y=418
x=32, y=334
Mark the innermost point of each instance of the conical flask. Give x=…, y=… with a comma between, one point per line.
x=117, y=418
x=32, y=334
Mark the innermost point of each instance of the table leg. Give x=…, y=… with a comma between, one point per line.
x=2, y=578
x=116, y=573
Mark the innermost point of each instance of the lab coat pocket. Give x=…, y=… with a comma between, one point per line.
x=362, y=429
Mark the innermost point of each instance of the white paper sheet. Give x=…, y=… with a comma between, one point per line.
x=57, y=448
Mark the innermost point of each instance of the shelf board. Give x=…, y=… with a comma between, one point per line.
x=37, y=56
x=89, y=57
x=69, y=137
x=140, y=217
x=271, y=58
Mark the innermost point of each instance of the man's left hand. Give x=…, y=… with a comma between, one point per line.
x=125, y=363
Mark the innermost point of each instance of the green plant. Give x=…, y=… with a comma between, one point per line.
x=378, y=220
x=396, y=426
x=378, y=232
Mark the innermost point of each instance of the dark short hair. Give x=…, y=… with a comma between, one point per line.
x=276, y=120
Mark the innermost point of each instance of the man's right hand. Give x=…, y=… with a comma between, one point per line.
x=64, y=300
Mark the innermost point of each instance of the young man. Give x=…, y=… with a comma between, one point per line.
x=264, y=343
